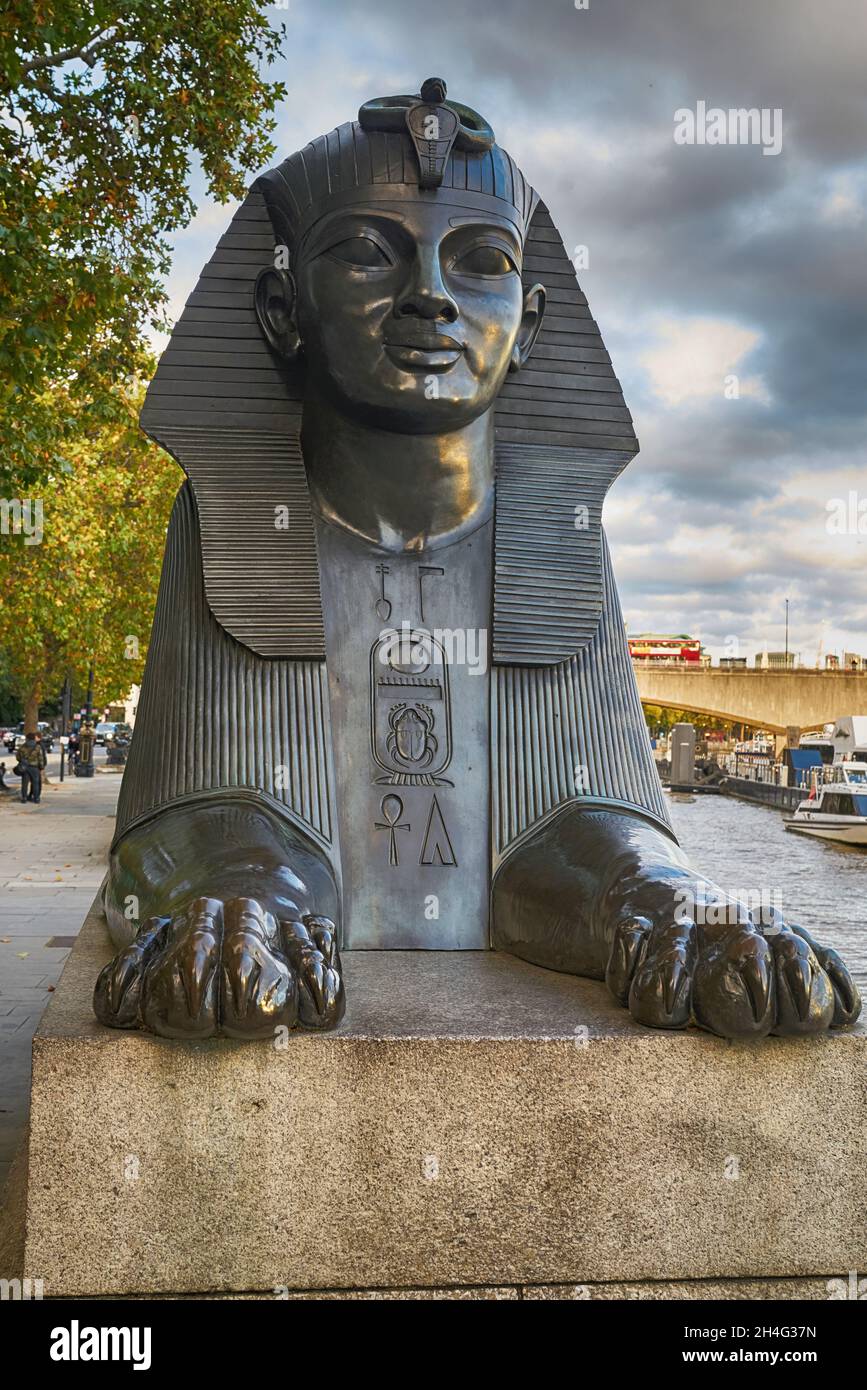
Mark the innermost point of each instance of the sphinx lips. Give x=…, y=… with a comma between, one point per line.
x=428, y=352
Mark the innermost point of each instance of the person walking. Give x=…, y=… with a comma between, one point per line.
x=31, y=756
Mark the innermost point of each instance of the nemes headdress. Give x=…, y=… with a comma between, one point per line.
x=399, y=146
x=229, y=410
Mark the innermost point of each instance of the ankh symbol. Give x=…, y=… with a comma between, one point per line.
x=391, y=807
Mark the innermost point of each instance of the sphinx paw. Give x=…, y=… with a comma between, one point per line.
x=224, y=969
x=731, y=978
x=674, y=976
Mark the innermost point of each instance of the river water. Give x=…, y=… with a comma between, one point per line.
x=745, y=849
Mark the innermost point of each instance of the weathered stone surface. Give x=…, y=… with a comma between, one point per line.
x=755, y=1290
x=466, y=1295
x=458, y=1130
x=797, y=1290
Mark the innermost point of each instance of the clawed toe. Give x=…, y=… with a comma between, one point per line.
x=311, y=945
x=630, y=939
x=321, y=993
x=847, y=998
x=661, y=992
x=179, y=993
x=733, y=993
x=806, y=1000
x=324, y=933
x=259, y=990
x=650, y=970
x=117, y=994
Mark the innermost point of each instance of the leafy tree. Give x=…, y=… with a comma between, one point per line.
x=84, y=591
x=10, y=705
x=664, y=718
x=106, y=104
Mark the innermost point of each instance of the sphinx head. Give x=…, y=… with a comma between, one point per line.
x=404, y=238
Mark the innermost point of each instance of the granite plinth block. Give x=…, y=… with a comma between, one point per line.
x=475, y=1123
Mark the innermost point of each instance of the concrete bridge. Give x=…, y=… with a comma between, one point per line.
x=770, y=700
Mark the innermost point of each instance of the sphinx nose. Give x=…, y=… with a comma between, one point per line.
x=425, y=295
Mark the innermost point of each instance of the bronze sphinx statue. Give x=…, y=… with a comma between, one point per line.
x=388, y=702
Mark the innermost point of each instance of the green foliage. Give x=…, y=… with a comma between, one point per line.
x=107, y=104
x=661, y=717
x=86, y=592
x=11, y=709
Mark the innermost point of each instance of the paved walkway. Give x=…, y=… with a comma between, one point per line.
x=52, y=860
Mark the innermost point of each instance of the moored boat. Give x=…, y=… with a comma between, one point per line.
x=836, y=808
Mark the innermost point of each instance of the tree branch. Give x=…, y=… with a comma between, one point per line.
x=85, y=52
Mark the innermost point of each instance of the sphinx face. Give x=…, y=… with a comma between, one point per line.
x=410, y=312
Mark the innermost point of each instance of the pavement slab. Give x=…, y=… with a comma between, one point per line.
x=53, y=859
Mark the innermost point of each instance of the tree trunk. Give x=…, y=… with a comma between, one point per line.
x=31, y=712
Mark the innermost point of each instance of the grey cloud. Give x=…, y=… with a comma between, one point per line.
x=722, y=233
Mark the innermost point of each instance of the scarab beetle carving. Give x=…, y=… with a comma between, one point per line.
x=411, y=738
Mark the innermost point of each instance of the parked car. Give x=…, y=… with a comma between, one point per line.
x=15, y=737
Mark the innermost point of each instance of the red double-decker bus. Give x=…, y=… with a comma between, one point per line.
x=654, y=648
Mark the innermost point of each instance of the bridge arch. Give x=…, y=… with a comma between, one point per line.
x=773, y=700
x=722, y=715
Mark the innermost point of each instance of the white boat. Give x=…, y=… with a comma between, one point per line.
x=836, y=808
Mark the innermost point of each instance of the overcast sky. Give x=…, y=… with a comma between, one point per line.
x=706, y=261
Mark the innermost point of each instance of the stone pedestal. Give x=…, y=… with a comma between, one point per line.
x=476, y=1125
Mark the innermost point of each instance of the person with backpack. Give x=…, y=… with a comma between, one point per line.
x=31, y=759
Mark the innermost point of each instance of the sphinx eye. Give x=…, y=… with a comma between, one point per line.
x=484, y=260
x=360, y=251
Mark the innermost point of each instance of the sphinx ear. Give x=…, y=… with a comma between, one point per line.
x=531, y=322
x=274, y=297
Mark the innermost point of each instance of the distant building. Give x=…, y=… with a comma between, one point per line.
x=124, y=710
x=653, y=648
x=733, y=663
x=131, y=705
x=832, y=662
x=776, y=661
x=853, y=662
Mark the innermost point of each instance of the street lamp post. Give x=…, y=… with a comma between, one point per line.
x=86, y=738
x=66, y=702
